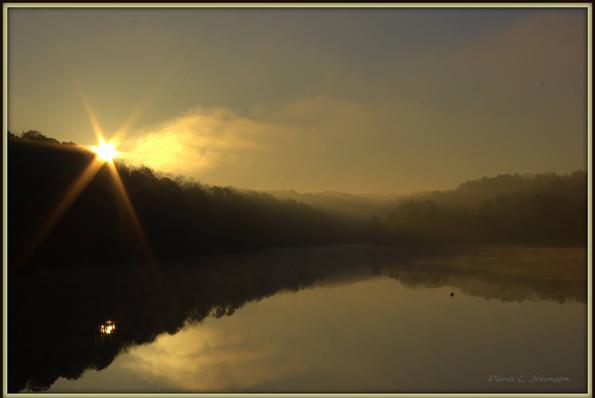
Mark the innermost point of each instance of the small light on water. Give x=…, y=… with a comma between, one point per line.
x=108, y=327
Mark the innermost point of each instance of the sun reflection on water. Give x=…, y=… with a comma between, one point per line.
x=109, y=327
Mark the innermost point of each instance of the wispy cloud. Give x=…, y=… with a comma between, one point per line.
x=195, y=142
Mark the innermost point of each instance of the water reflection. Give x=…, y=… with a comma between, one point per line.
x=144, y=306
x=108, y=327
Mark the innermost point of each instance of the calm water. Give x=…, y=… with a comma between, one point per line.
x=339, y=319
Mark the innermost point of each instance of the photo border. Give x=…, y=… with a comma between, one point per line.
x=7, y=6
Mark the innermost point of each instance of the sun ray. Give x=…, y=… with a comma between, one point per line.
x=119, y=135
x=94, y=122
x=105, y=153
x=72, y=193
x=133, y=216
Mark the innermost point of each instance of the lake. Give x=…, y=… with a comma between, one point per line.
x=318, y=319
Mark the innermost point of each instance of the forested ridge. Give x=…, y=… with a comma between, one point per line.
x=182, y=218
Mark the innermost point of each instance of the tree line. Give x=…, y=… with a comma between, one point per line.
x=182, y=218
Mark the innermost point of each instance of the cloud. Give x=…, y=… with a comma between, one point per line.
x=295, y=143
x=200, y=359
x=317, y=142
x=195, y=142
x=509, y=100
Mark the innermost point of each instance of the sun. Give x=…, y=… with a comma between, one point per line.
x=105, y=151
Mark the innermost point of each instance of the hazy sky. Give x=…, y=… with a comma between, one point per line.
x=351, y=100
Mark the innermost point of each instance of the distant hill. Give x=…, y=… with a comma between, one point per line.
x=476, y=192
x=546, y=209
x=181, y=218
x=530, y=209
x=340, y=203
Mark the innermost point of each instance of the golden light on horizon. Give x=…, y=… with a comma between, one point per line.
x=105, y=151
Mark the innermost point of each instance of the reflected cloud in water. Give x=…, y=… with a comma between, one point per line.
x=144, y=306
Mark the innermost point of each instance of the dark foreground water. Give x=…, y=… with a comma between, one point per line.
x=336, y=319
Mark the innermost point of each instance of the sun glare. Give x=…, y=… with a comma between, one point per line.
x=105, y=151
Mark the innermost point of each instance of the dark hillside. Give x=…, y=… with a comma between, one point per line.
x=184, y=219
x=179, y=219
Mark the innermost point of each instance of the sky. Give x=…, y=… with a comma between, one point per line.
x=352, y=100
